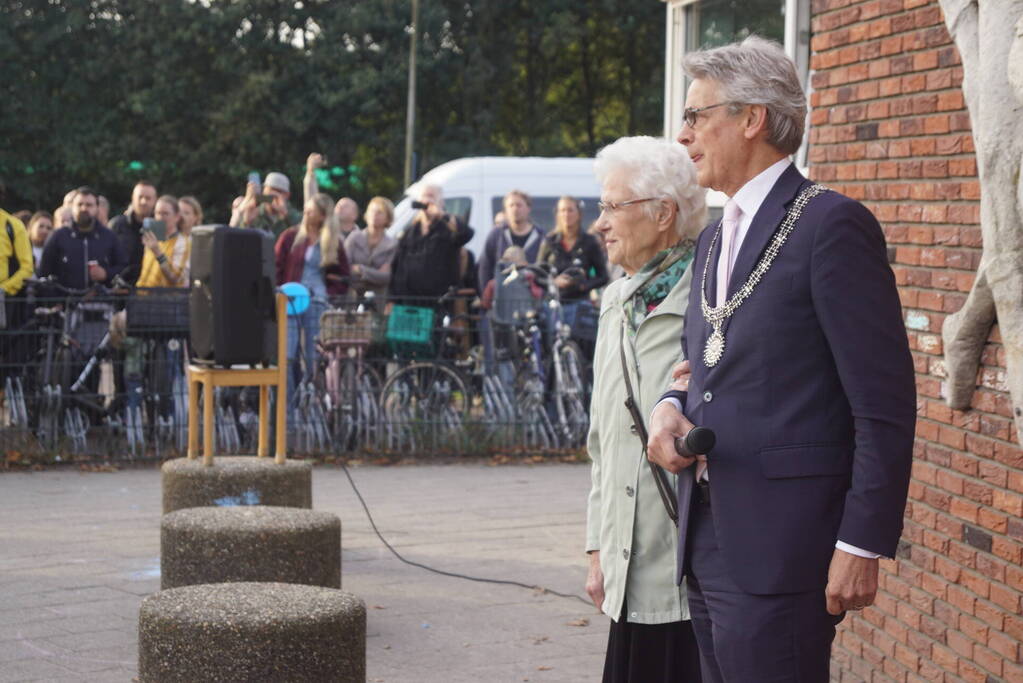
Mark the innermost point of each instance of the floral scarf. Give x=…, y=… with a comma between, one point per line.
x=655, y=280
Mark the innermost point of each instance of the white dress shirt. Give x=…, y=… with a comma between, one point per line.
x=749, y=198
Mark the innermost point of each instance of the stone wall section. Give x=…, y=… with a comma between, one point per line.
x=889, y=127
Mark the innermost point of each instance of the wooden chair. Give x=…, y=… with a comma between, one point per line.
x=211, y=377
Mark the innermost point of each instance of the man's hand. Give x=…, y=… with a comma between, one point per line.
x=852, y=582
x=313, y=162
x=595, y=580
x=680, y=375
x=97, y=273
x=666, y=425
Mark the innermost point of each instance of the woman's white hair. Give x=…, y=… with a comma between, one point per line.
x=659, y=168
x=756, y=71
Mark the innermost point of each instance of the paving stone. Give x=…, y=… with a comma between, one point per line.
x=66, y=531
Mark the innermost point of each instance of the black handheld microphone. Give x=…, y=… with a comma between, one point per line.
x=699, y=441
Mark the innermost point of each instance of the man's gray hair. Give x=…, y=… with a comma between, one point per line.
x=659, y=168
x=757, y=71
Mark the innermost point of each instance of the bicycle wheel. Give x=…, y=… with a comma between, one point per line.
x=568, y=392
x=424, y=404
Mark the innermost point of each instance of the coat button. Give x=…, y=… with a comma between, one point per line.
x=625, y=553
x=707, y=397
x=629, y=491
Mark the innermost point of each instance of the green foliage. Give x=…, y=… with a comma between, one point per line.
x=199, y=93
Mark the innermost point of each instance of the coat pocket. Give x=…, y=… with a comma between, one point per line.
x=806, y=460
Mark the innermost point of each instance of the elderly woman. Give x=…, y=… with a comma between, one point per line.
x=651, y=212
x=371, y=251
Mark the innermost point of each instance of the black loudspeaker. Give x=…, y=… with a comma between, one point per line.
x=232, y=315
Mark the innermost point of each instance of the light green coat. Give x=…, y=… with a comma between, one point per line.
x=626, y=519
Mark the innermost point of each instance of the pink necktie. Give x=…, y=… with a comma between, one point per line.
x=729, y=231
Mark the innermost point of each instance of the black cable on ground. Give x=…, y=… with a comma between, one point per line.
x=506, y=582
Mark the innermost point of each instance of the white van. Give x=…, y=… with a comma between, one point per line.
x=474, y=189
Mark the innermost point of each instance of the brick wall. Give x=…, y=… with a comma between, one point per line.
x=890, y=128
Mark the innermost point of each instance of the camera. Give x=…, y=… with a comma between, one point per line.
x=419, y=205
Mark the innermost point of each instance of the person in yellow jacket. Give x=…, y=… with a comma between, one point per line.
x=165, y=264
x=15, y=267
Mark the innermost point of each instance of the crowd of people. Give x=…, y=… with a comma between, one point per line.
x=322, y=246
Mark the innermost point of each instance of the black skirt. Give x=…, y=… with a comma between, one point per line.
x=652, y=653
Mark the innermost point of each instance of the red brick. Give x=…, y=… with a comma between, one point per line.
x=1005, y=598
x=1003, y=645
x=988, y=659
x=961, y=599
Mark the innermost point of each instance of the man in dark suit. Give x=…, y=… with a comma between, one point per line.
x=801, y=365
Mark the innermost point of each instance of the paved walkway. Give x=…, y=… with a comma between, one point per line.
x=79, y=551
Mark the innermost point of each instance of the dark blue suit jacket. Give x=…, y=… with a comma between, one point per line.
x=813, y=401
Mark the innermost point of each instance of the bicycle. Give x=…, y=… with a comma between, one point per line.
x=558, y=374
x=59, y=406
x=347, y=384
x=426, y=403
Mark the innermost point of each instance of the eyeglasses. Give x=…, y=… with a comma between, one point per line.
x=612, y=207
x=690, y=114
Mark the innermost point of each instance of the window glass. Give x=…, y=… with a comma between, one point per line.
x=544, y=207
x=719, y=22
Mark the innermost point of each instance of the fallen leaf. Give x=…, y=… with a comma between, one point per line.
x=579, y=622
x=541, y=639
x=379, y=607
x=544, y=668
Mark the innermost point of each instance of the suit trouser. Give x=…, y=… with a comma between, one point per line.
x=745, y=638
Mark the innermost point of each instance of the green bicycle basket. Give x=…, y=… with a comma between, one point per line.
x=410, y=331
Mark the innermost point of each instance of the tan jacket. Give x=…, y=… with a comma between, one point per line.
x=626, y=519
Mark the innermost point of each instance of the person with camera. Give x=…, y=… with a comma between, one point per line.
x=128, y=226
x=266, y=207
x=427, y=260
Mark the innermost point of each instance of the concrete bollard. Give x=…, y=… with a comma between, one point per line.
x=251, y=543
x=252, y=632
x=236, y=480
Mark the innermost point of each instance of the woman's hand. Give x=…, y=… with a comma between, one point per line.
x=595, y=580
x=564, y=281
x=150, y=242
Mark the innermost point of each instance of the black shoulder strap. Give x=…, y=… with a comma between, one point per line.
x=660, y=478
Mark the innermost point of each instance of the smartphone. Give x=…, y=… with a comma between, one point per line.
x=265, y=198
x=419, y=205
x=158, y=228
x=254, y=178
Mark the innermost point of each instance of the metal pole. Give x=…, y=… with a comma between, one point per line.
x=410, y=114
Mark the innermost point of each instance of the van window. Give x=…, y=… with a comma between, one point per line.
x=544, y=207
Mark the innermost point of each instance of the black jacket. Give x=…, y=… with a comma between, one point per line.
x=128, y=230
x=68, y=252
x=427, y=265
x=591, y=259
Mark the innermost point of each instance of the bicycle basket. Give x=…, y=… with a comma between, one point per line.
x=584, y=327
x=410, y=331
x=350, y=328
x=158, y=311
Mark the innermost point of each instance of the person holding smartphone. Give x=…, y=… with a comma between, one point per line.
x=168, y=244
x=266, y=205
